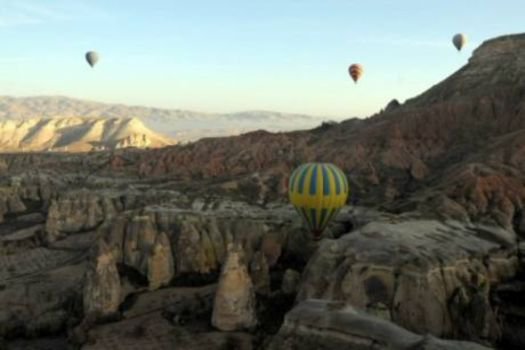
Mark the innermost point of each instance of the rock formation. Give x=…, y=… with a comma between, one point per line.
x=102, y=291
x=198, y=239
x=317, y=324
x=444, y=270
x=10, y=203
x=392, y=105
x=80, y=211
x=160, y=263
x=234, y=305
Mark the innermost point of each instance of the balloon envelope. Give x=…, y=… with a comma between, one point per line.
x=356, y=71
x=318, y=191
x=459, y=40
x=92, y=58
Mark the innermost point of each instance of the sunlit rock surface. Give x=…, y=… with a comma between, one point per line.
x=428, y=276
x=234, y=305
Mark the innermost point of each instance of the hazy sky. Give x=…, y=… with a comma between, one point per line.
x=232, y=55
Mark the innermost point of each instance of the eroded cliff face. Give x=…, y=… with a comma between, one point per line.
x=102, y=288
x=196, y=239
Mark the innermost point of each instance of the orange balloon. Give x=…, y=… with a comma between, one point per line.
x=356, y=71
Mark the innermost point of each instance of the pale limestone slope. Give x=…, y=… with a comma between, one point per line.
x=77, y=134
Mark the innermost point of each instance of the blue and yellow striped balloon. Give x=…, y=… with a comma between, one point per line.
x=318, y=191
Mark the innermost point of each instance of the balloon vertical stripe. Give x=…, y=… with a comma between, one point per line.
x=302, y=179
x=313, y=183
x=326, y=181
x=293, y=178
x=336, y=180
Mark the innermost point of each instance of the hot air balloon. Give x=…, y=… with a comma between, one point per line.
x=459, y=40
x=318, y=191
x=355, y=70
x=92, y=58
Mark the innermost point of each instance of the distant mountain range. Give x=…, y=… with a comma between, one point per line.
x=180, y=125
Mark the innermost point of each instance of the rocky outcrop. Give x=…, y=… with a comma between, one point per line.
x=10, y=203
x=424, y=275
x=136, y=242
x=234, y=305
x=160, y=262
x=392, y=105
x=486, y=62
x=102, y=289
x=318, y=324
x=20, y=240
x=78, y=212
x=141, y=235
x=480, y=193
x=38, y=186
x=34, y=303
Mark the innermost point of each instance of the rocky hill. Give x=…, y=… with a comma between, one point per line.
x=77, y=135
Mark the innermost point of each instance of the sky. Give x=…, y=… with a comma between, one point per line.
x=235, y=55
